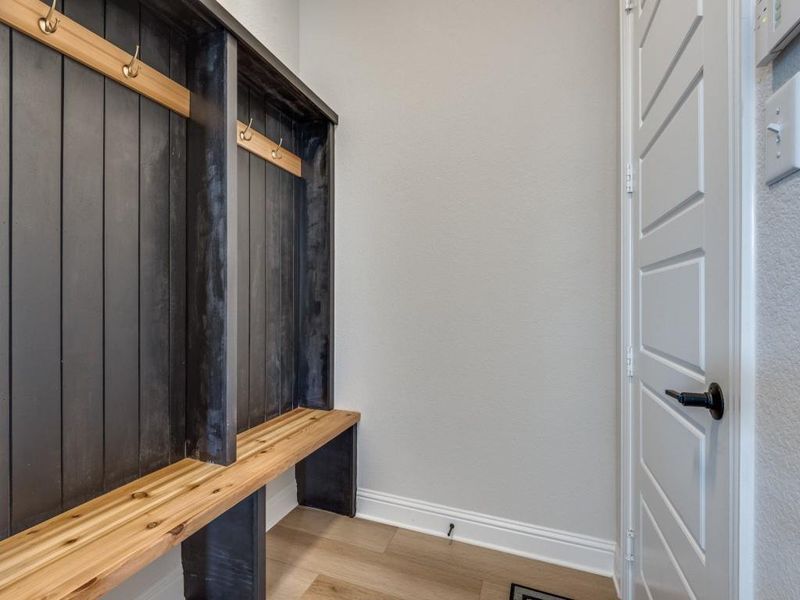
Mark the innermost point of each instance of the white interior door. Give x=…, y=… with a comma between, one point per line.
x=681, y=298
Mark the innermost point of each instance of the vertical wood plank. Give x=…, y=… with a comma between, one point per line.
x=177, y=260
x=274, y=298
x=287, y=271
x=82, y=265
x=243, y=296
x=89, y=13
x=5, y=280
x=259, y=335
x=227, y=558
x=154, y=263
x=212, y=227
x=315, y=243
x=121, y=413
x=327, y=479
x=35, y=282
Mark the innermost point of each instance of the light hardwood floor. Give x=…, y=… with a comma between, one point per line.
x=314, y=555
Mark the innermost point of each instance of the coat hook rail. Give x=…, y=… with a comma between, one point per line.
x=50, y=27
x=263, y=147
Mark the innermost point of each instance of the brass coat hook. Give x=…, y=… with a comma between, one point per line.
x=247, y=135
x=131, y=70
x=276, y=153
x=49, y=23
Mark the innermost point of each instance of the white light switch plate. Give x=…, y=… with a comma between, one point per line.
x=782, y=140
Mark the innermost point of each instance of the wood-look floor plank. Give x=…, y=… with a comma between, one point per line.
x=499, y=567
x=494, y=591
x=328, y=588
x=287, y=582
x=358, y=532
x=407, y=579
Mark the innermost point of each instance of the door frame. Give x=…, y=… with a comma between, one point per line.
x=741, y=396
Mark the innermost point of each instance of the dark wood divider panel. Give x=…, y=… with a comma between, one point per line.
x=92, y=268
x=5, y=280
x=212, y=250
x=285, y=267
x=268, y=200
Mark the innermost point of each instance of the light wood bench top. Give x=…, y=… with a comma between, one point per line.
x=85, y=552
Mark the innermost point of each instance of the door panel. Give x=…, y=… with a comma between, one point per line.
x=672, y=169
x=663, y=576
x=672, y=24
x=681, y=287
x=683, y=489
x=672, y=310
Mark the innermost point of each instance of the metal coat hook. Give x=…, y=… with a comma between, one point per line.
x=247, y=135
x=276, y=153
x=131, y=70
x=49, y=23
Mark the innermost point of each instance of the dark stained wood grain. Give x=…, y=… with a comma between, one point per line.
x=327, y=479
x=212, y=223
x=82, y=278
x=273, y=273
x=5, y=279
x=89, y=13
x=227, y=558
x=315, y=247
x=154, y=263
x=35, y=282
x=288, y=292
x=177, y=259
x=243, y=295
x=121, y=403
x=259, y=334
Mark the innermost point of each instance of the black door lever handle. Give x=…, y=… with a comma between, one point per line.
x=712, y=400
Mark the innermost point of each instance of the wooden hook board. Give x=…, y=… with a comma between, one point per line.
x=262, y=146
x=88, y=48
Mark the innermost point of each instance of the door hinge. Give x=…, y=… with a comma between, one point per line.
x=630, y=539
x=629, y=178
x=629, y=360
x=628, y=6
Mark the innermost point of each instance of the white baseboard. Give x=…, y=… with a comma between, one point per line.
x=281, y=498
x=582, y=552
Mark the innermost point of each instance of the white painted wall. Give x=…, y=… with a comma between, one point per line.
x=476, y=253
x=777, y=526
x=275, y=23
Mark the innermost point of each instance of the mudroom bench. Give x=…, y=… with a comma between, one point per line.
x=86, y=551
x=167, y=277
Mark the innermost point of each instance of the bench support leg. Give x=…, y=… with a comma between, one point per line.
x=228, y=557
x=327, y=478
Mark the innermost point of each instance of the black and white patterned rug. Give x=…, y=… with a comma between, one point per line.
x=519, y=592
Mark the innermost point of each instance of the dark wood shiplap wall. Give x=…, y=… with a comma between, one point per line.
x=268, y=271
x=92, y=269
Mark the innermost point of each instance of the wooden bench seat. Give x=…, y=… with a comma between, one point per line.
x=85, y=552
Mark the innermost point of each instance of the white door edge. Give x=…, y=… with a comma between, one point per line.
x=742, y=393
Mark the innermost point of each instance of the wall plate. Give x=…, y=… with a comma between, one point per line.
x=777, y=23
x=781, y=141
